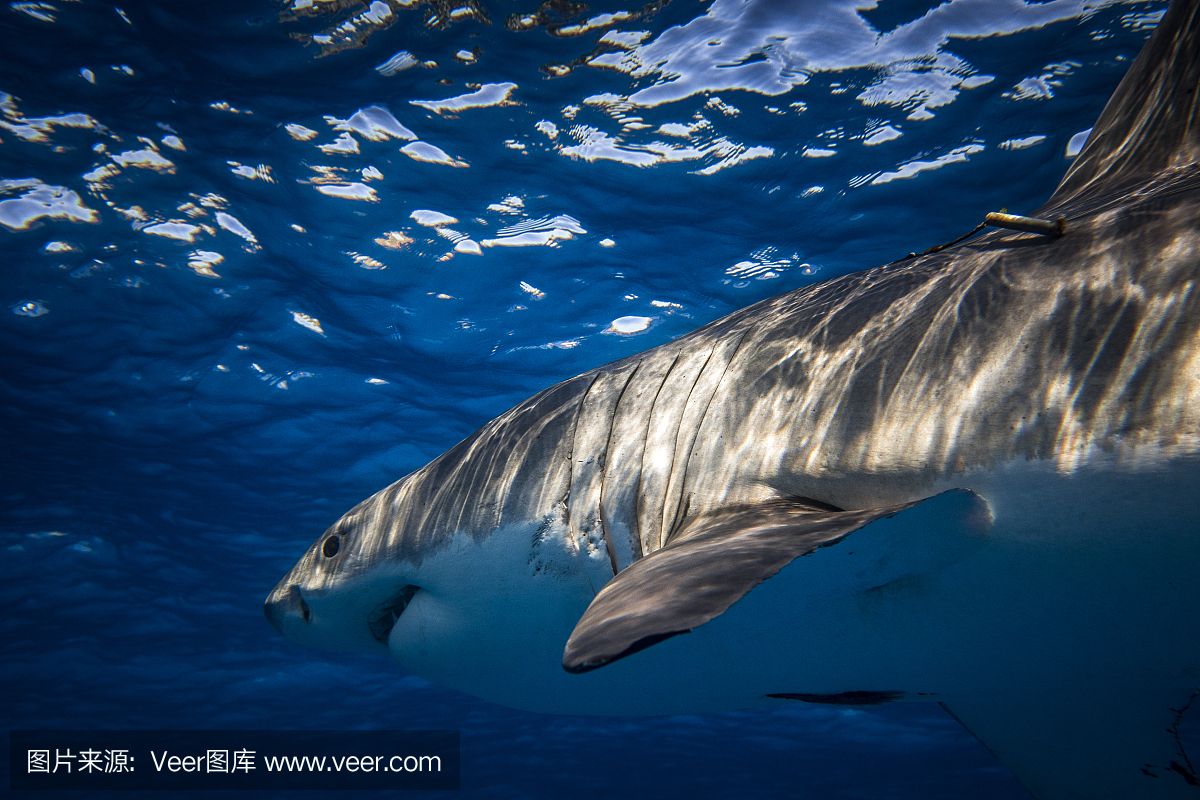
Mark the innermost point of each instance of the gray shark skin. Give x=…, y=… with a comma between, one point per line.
x=968, y=477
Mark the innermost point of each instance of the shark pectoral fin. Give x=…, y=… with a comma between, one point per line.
x=1089, y=741
x=718, y=558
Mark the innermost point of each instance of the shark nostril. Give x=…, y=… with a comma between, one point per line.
x=297, y=599
x=284, y=605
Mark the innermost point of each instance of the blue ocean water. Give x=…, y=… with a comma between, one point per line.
x=263, y=258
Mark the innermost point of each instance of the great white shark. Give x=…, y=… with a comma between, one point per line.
x=970, y=477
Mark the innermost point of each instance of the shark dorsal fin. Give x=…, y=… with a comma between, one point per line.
x=1152, y=120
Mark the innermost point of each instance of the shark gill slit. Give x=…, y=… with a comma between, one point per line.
x=665, y=529
x=612, y=422
x=682, y=507
x=531, y=432
x=638, y=498
x=566, y=501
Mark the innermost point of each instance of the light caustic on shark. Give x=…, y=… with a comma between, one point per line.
x=969, y=476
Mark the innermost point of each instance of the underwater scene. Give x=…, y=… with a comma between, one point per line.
x=264, y=258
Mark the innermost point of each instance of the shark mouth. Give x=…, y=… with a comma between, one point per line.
x=383, y=618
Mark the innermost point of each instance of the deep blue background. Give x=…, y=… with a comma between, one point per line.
x=173, y=441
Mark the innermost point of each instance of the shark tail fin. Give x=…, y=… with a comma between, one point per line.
x=1086, y=743
x=1152, y=121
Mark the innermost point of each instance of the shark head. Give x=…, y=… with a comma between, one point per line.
x=477, y=608
x=340, y=595
x=468, y=561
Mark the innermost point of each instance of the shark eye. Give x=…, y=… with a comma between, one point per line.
x=331, y=545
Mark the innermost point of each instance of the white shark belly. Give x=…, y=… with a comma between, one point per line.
x=1072, y=564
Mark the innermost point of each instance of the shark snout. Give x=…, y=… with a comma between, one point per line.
x=343, y=617
x=285, y=607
